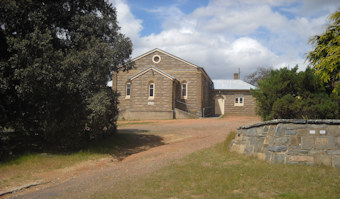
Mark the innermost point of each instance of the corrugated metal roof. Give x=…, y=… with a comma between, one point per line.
x=232, y=84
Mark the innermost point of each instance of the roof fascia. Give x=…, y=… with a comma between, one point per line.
x=154, y=69
x=205, y=74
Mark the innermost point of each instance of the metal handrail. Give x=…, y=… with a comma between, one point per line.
x=192, y=106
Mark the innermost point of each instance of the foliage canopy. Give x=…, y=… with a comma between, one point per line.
x=288, y=94
x=55, y=60
x=325, y=57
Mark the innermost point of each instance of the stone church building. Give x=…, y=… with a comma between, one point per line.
x=163, y=86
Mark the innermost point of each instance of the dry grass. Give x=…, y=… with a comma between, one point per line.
x=218, y=173
x=27, y=168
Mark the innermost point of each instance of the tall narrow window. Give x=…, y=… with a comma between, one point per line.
x=184, y=90
x=128, y=90
x=151, y=90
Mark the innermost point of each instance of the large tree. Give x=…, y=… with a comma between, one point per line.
x=325, y=57
x=55, y=60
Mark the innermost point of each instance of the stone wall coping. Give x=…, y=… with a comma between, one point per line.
x=292, y=121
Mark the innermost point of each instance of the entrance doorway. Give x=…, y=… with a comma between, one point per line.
x=219, y=105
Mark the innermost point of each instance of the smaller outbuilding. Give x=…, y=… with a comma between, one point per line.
x=232, y=97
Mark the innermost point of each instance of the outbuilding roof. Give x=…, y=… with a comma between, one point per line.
x=232, y=84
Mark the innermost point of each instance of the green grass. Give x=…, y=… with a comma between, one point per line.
x=27, y=166
x=218, y=173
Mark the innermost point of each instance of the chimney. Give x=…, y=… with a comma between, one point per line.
x=235, y=75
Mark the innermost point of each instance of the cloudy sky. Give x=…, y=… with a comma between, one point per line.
x=224, y=35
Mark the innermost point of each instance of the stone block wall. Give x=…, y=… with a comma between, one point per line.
x=229, y=99
x=167, y=92
x=292, y=141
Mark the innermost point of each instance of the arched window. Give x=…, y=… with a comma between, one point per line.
x=184, y=90
x=151, y=90
x=128, y=90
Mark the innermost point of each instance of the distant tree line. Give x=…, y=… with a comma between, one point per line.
x=55, y=60
x=310, y=94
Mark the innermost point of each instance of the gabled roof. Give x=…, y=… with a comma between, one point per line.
x=232, y=84
x=153, y=69
x=170, y=55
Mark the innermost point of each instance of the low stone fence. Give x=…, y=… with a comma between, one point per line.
x=291, y=141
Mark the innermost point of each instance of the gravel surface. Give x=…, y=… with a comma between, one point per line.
x=178, y=138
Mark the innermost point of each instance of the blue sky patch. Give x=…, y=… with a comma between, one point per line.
x=227, y=34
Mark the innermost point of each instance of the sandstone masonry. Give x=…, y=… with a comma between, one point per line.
x=292, y=141
x=163, y=86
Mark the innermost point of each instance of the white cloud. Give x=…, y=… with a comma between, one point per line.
x=245, y=52
x=317, y=7
x=227, y=35
x=130, y=26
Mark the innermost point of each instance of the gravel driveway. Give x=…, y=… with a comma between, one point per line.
x=178, y=138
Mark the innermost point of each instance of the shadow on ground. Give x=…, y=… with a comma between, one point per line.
x=119, y=145
x=126, y=142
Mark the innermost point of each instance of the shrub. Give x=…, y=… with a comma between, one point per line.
x=288, y=94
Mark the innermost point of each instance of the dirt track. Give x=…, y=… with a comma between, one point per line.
x=172, y=140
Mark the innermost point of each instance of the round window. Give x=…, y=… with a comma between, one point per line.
x=156, y=58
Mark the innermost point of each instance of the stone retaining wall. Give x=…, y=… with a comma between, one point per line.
x=292, y=141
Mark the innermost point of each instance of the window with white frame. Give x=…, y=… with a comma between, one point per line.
x=128, y=90
x=239, y=100
x=184, y=92
x=151, y=90
x=156, y=59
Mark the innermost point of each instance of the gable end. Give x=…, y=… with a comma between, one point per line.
x=168, y=54
x=153, y=69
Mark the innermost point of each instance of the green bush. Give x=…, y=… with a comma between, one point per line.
x=288, y=94
x=286, y=107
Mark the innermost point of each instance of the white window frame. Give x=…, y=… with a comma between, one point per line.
x=127, y=87
x=153, y=91
x=153, y=59
x=239, y=100
x=186, y=90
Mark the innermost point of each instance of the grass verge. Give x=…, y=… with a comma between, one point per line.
x=219, y=173
x=28, y=167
